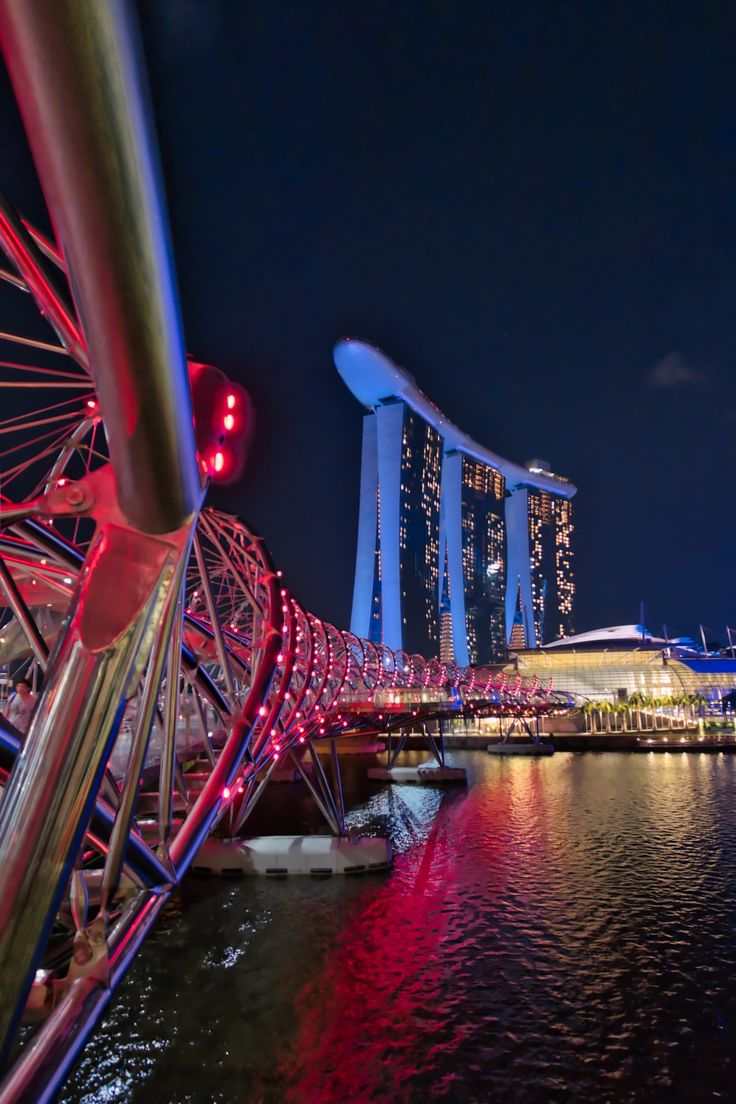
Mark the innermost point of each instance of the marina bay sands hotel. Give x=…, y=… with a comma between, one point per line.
x=461, y=554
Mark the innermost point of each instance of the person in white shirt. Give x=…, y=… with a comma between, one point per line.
x=20, y=706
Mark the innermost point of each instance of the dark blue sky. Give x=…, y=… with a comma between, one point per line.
x=530, y=206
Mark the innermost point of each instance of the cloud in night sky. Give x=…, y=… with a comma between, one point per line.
x=672, y=373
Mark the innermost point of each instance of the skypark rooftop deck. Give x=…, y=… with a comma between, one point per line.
x=375, y=380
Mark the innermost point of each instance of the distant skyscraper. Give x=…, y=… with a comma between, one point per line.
x=397, y=574
x=460, y=552
x=553, y=583
x=480, y=575
x=419, y=533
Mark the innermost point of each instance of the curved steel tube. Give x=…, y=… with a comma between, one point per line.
x=76, y=73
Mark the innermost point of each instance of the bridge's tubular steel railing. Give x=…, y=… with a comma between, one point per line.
x=77, y=76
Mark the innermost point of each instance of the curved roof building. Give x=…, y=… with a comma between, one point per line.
x=460, y=551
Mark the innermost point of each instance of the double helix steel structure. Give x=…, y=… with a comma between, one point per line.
x=175, y=667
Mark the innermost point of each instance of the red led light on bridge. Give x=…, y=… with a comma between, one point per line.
x=222, y=438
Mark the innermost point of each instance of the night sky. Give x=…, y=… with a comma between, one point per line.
x=530, y=206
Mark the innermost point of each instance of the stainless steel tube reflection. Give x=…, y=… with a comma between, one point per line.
x=76, y=73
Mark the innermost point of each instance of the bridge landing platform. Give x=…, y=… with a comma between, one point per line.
x=282, y=855
x=425, y=774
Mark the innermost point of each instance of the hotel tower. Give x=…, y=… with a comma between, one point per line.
x=461, y=554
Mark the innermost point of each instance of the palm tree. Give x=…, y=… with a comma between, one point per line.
x=622, y=711
x=657, y=704
x=605, y=709
x=590, y=709
x=666, y=703
x=677, y=715
x=683, y=704
x=636, y=701
x=647, y=705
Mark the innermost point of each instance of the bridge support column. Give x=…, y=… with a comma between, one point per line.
x=530, y=743
x=319, y=856
x=431, y=773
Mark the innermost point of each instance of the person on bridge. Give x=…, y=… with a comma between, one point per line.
x=20, y=706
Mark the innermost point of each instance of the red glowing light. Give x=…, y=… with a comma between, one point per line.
x=91, y=404
x=231, y=402
x=219, y=461
x=228, y=421
x=226, y=793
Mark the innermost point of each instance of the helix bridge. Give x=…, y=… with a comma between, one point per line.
x=175, y=668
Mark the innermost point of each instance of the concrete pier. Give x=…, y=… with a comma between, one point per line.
x=282, y=855
x=529, y=748
x=425, y=774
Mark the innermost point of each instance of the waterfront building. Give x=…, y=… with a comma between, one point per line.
x=459, y=550
x=612, y=664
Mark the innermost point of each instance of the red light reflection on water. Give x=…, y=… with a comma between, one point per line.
x=383, y=1004
x=383, y=1009
x=374, y=986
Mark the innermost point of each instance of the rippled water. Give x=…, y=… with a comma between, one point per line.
x=561, y=930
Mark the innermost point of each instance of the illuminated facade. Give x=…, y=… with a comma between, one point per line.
x=614, y=663
x=419, y=533
x=433, y=498
x=551, y=553
x=484, y=559
x=447, y=648
x=517, y=635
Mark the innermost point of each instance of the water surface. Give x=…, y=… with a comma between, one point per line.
x=562, y=930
